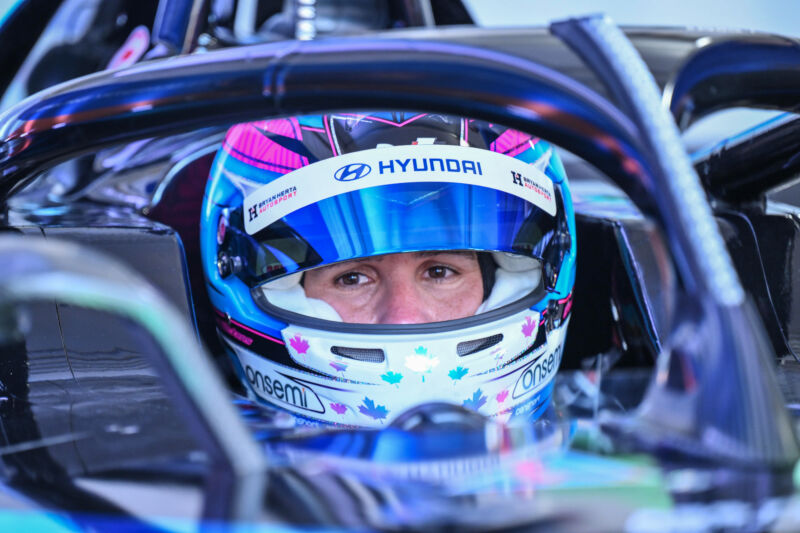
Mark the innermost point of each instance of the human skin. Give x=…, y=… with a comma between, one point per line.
x=407, y=288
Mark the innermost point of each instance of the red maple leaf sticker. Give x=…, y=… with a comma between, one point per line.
x=528, y=327
x=502, y=395
x=299, y=344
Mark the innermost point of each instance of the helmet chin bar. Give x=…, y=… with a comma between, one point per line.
x=500, y=368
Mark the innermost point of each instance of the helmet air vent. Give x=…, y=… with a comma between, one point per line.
x=476, y=345
x=370, y=355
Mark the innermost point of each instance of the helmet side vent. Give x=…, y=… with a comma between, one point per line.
x=476, y=345
x=369, y=355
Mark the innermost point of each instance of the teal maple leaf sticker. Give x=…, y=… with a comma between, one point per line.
x=477, y=400
x=392, y=378
x=378, y=412
x=458, y=373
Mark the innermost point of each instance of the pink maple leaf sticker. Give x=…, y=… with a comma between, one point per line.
x=340, y=408
x=339, y=367
x=299, y=344
x=528, y=327
x=502, y=395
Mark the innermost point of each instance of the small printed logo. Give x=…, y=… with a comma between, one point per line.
x=352, y=172
x=537, y=374
x=285, y=389
x=253, y=212
x=518, y=179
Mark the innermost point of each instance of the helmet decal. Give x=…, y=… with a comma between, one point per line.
x=267, y=145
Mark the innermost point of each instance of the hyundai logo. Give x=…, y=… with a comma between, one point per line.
x=352, y=172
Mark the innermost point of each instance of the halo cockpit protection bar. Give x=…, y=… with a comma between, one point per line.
x=748, y=71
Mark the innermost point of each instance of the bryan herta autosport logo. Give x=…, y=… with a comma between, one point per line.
x=283, y=389
x=538, y=373
x=256, y=209
x=518, y=179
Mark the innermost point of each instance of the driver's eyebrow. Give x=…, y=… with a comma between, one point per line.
x=379, y=258
x=468, y=253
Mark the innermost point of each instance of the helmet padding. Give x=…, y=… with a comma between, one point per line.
x=510, y=286
x=293, y=298
x=515, y=276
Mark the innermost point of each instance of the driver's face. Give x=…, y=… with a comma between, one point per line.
x=410, y=288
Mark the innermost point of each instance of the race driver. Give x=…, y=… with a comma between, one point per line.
x=362, y=264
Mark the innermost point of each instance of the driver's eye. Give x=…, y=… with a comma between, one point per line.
x=438, y=272
x=351, y=278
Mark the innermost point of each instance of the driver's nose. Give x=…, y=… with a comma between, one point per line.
x=403, y=303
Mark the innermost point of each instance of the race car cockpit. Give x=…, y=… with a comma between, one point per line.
x=201, y=254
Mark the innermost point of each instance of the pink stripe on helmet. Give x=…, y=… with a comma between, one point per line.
x=248, y=143
x=383, y=120
x=513, y=143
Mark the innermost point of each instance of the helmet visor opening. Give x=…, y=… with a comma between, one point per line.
x=440, y=225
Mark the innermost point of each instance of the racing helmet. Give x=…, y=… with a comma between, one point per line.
x=292, y=194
